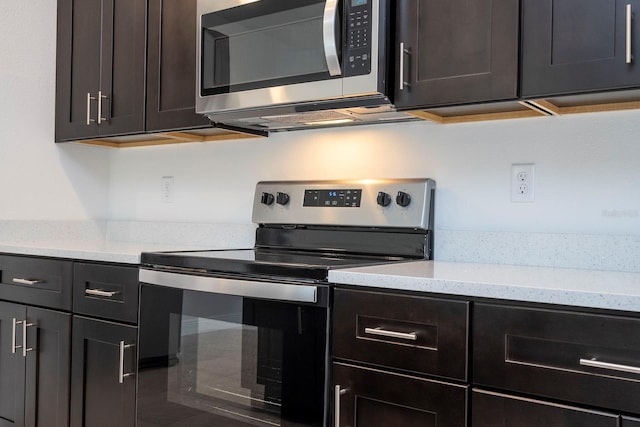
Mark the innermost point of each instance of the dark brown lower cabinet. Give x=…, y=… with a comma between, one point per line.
x=630, y=422
x=500, y=410
x=103, y=373
x=34, y=366
x=373, y=398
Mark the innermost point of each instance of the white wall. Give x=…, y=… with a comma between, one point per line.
x=39, y=179
x=587, y=172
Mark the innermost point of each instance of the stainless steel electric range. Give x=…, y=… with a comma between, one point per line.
x=240, y=337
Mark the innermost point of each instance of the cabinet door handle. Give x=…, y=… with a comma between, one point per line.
x=121, y=373
x=100, y=98
x=611, y=366
x=27, y=281
x=25, y=325
x=411, y=336
x=336, y=404
x=100, y=293
x=403, y=52
x=89, y=99
x=14, y=347
x=629, y=15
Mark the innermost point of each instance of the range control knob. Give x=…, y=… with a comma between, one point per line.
x=403, y=199
x=384, y=199
x=282, y=198
x=266, y=199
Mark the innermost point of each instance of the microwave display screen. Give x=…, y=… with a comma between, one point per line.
x=358, y=2
x=333, y=198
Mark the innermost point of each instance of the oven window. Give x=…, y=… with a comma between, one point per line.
x=263, y=44
x=208, y=359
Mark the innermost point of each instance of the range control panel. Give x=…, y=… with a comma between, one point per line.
x=366, y=203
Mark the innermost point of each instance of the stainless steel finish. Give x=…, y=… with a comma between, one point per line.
x=99, y=293
x=242, y=288
x=369, y=214
x=89, y=99
x=25, y=349
x=336, y=400
x=121, y=374
x=100, y=98
x=285, y=99
x=628, y=42
x=611, y=366
x=329, y=37
x=412, y=336
x=14, y=347
x=27, y=281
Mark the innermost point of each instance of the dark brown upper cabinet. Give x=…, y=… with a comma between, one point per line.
x=452, y=52
x=574, y=46
x=171, y=66
x=100, y=68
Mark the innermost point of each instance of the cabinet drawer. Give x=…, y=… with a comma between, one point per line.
x=370, y=397
x=107, y=291
x=499, y=410
x=577, y=357
x=411, y=333
x=36, y=281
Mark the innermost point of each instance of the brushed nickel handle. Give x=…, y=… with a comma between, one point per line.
x=100, y=98
x=14, y=347
x=411, y=336
x=100, y=293
x=27, y=281
x=336, y=404
x=629, y=57
x=25, y=349
x=403, y=52
x=611, y=366
x=89, y=99
x=121, y=373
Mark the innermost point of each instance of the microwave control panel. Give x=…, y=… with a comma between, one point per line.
x=357, y=55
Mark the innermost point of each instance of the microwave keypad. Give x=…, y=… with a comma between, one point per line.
x=358, y=55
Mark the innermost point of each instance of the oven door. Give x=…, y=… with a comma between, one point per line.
x=218, y=359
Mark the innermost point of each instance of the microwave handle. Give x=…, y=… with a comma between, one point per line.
x=329, y=37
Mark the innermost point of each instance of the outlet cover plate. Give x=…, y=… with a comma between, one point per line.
x=522, y=182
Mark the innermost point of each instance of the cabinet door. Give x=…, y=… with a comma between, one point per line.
x=102, y=392
x=456, y=51
x=123, y=66
x=171, y=66
x=47, y=373
x=630, y=422
x=373, y=398
x=77, y=68
x=12, y=365
x=499, y=410
x=571, y=46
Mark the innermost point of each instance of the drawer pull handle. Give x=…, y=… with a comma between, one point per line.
x=611, y=366
x=336, y=403
x=27, y=281
x=99, y=293
x=411, y=336
x=121, y=374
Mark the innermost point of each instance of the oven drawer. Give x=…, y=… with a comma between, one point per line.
x=107, y=291
x=412, y=333
x=36, y=281
x=577, y=357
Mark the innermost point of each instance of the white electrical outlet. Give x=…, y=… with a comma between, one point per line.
x=522, y=179
x=166, y=191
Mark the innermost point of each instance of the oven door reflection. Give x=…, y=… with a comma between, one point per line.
x=217, y=360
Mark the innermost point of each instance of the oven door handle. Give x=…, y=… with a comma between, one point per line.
x=236, y=287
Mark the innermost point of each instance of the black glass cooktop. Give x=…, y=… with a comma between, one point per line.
x=292, y=264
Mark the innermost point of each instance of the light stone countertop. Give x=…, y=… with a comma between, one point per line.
x=582, y=288
x=118, y=241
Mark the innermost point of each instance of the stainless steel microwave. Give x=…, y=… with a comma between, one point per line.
x=282, y=56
